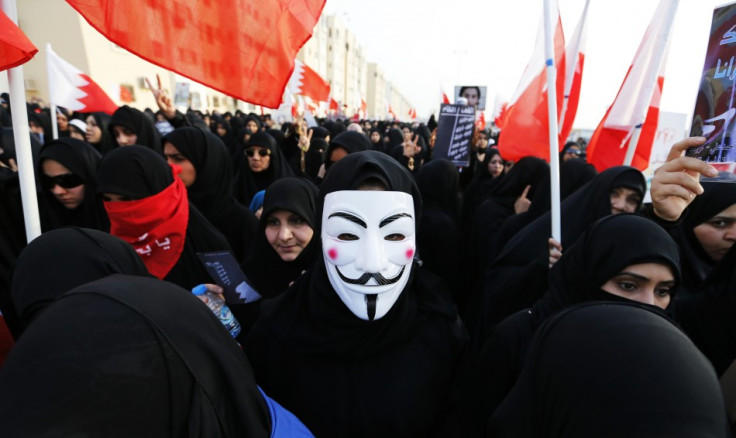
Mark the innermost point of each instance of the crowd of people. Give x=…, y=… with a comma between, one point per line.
x=395, y=293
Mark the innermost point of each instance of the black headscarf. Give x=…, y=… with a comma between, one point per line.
x=518, y=276
x=249, y=183
x=350, y=141
x=438, y=235
x=138, y=172
x=612, y=370
x=311, y=340
x=696, y=263
x=708, y=316
x=130, y=356
x=604, y=250
x=234, y=146
x=82, y=160
x=70, y=257
x=138, y=123
x=212, y=190
x=107, y=139
x=267, y=272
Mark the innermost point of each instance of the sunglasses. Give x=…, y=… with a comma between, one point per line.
x=262, y=152
x=574, y=152
x=67, y=181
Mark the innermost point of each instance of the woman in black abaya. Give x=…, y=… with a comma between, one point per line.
x=98, y=134
x=149, y=208
x=263, y=164
x=347, y=376
x=612, y=370
x=129, y=126
x=67, y=169
x=591, y=270
x=211, y=190
x=154, y=362
x=70, y=257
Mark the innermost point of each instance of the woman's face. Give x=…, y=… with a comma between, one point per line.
x=251, y=126
x=495, y=166
x=472, y=95
x=124, y=136
x=77, y=134
x=62, y=121
x=375, y=137
x=648, y=283
x=221, y=131
x=259, y=158
x=624, y=200
x=94, y=133
x=69, y=197
x=572, y=153
x=188, y=173
x=717, y=234
x=288, y=234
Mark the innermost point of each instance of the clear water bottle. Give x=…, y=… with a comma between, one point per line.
x=220, y=309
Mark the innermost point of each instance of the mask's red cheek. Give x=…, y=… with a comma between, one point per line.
x=409, y=253
x=332, y=253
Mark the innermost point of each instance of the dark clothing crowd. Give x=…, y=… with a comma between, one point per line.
x=386, y=291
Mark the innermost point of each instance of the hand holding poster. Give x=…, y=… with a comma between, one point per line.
x=454, y=133
x=226, y=272
x=715, y=106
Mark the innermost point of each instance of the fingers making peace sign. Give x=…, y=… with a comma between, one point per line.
x=164, y=102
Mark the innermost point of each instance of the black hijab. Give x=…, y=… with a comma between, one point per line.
x=153, y=361
x=107, y=139
x=82, y=160
x=612, y=370
x=138, y=123
x=267, y=272
x=249, y=183
x=350, y=141
x=138, y=172
x=604, y=250
x=696, y=263
x=70, y=257
x=310, y=338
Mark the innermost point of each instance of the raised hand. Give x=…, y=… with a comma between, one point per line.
x=522, y=202
x=163, y=100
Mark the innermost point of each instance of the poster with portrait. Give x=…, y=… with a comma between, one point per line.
x=475, y=94
x=714, y=116
x=454, y=134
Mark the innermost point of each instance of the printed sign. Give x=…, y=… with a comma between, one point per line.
x=715, y=107
x=226, y=272
x=454, y=134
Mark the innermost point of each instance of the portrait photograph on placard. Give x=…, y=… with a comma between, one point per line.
x=475, y=94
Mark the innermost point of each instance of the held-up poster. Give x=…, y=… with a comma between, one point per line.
x=715, y=107
x=454, y=134
x=225, y=270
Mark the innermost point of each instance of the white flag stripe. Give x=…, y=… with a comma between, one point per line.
x=64, y=82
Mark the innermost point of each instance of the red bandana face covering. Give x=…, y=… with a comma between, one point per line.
x=156, y=226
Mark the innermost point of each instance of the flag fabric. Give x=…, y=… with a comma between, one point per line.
x=306, y=82
x=637, y=102
x=15, y=47
x=363, y=108
x=526, y=126
x=334, y=105
x=412, y=113
x=443, y=97
x=243, y=48
x=71, y=88
x=574, y=59
x=480, y=122
x=501, y=114
x=392, y=113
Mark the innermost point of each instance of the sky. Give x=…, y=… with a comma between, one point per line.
x=422, y=46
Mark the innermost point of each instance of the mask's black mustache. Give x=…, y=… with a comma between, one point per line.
x=365, y=278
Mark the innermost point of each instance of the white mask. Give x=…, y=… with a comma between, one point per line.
x=368, y=242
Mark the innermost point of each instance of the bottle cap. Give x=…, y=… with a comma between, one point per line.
x=199, y=289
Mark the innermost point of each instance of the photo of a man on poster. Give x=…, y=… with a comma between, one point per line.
x=476, y=95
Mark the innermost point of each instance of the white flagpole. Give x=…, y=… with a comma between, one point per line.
x=22, y=137
x=554, y=156
x=54, y=120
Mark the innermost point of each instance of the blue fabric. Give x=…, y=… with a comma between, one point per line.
x=283, y=422
x=257, y=201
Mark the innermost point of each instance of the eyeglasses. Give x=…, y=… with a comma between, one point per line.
x=574, y=152
x=67, y=181
x=262, y=152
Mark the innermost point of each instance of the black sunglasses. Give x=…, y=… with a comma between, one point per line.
x=262, y=152
x=67, y=181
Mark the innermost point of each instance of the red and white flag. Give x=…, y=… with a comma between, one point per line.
x=363, y=109
x=15, y=47
x=443, y=96
x=636, y=107
x=526, y=125
x=71, y=88
x=243, y=48
x=306, y=82
x=412, y=113
x=574, y=58
x=334, y=105
x=392, y=113
x=480, y=121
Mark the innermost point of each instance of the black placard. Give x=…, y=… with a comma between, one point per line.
x=454, y=134
x=226, y=272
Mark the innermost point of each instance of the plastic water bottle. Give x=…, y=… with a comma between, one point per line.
x=220, y=309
